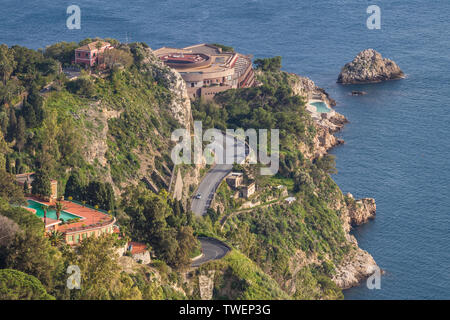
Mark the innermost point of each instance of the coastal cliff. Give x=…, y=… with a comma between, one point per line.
x=357, y=265
x=360, y=211
x=368, y=67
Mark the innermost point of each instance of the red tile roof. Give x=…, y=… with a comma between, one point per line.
x=137, y=247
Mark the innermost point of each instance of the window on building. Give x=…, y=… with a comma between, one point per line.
x=84, y=235
x=70, y=238
x=77, y=238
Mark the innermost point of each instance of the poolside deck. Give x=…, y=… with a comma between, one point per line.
x=90, y=218
x=316, y=115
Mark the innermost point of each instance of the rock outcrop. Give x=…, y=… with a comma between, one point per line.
x=361, y=211
x=368, y=67
x=356, y=267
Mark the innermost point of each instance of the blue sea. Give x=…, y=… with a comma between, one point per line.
x=397, y=141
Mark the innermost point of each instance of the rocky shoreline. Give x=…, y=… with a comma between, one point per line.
x=358, y=264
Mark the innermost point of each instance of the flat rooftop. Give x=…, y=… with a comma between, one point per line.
x=220, y=61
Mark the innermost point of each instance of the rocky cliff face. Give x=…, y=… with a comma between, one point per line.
x=361, y=211
x=369, y=66
x=180, y=105
x=358, y=264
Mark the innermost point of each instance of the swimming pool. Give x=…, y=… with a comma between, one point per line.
x=50, y=213
x=321, y=107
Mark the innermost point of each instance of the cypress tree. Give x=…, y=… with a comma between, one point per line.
x=8, y=164
x=29, y=114
x=12, y=124
x=41, y=183
x=20, y=134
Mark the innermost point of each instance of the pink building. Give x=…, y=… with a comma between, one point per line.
x=88, y=54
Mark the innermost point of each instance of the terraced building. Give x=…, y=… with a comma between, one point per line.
x=208, y=70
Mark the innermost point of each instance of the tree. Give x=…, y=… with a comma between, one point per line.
x=58, y=207
x=17, y=285
x=153, y=221
x=186, y=244
x=101, y=194
x=32, y=253
x=44, y=208
x=7, y=163
x=83, y=86
x=75, y=187
x=268, y=64
x=100, y=273
x=41, y=184
x=4, y=121
x=20, y=135
x=7, y=63
x=18, y=165
x=4, y=150
x=12, y=124
x=62, y=51
x=29, y=114
x=26, y=221
x=36, y=101
x=327, y=163
x=26, y=187
x=9, y=190
x=47, y=137
x=117, y=57
x=8, y=230
x=56, y=238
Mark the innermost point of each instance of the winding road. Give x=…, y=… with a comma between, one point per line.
x=212, y=249
x=214, y=177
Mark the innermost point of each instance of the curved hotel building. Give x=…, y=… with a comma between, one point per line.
x=208, y=70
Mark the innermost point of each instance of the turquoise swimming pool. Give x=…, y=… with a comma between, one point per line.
x=50, y=213
x=321, y=107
